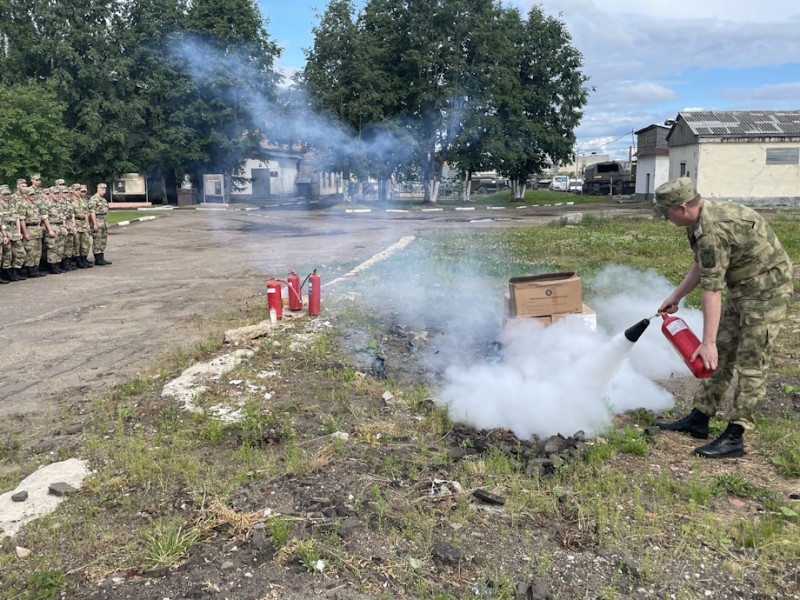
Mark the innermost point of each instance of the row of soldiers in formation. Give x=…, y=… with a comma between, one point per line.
x=51, y=229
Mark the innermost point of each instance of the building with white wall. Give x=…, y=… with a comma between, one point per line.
x=752, y=157
x=652, y=160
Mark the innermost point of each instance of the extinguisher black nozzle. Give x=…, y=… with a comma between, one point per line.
x=632, y=334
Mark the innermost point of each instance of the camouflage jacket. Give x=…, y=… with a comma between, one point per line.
x=735, y=247
x=99, y=205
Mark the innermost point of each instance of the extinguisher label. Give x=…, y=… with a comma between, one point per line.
x=676, y=326
x=271, y=291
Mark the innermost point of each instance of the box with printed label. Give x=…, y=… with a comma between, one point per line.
x=544, y=295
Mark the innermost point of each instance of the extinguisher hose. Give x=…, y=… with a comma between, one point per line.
x=296, y=293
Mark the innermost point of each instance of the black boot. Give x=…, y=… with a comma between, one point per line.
x=86, y=262
x=21, y=275
x=728, y=445
x=67, y=265
x=78, y=262
x=35, y=272
x=11, y=275
x=100, y=260
x=54, y=268
x=696, y=425
x=3, y=277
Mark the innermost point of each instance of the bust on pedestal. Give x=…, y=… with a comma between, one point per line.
x=186, y=193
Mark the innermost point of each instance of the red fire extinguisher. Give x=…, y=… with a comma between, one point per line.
x=685, y=343
x=274, y=301
x=313, y=294
x=295, y=297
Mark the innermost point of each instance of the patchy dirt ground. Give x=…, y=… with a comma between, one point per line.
x=402, y=508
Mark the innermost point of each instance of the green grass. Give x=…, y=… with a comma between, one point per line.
x=116, y=216
x=628, y=496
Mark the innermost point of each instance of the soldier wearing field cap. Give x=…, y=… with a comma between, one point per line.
x=7, y=222
x=98, y=208
x=80, y=210
x=13, y=250
x=68, y=261
x=53, y=232
x=734, y=248
x=31, y=213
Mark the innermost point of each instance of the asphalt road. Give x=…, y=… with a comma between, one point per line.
x=67, y=337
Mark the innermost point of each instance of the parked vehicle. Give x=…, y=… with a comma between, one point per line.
x=488, y=185
x=576, y=186
x=559, y=183
x=608, y=178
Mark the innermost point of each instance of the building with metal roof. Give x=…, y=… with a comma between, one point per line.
x=750, y=156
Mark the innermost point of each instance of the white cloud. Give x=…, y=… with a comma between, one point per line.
x=787, y=94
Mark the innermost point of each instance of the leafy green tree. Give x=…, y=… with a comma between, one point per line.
x=537, y=112
x=230, y=56
x=31, y=132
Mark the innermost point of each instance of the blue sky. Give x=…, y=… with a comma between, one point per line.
x=647, y=59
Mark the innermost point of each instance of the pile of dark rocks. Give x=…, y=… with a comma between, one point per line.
x=534, y=457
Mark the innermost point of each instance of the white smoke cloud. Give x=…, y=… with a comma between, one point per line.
x=566, y=378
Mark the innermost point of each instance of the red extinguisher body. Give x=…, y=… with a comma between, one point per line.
x=685, y=343
x=295, y=297
x=313, y=294
x=274, y=301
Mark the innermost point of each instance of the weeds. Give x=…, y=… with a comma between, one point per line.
x=165, y=542
x=43, y=585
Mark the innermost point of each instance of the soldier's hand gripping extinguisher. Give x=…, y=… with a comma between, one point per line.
x=680, y=336
x=685, y=343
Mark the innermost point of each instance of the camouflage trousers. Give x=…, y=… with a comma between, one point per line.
x=13, y=255
x=81, y=243
x=745, y=338
x=55, y=246
x=68, y=245
x=33, y=246
x=100, y=237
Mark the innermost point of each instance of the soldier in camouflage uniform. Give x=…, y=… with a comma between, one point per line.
x=32, y=214
x=68, y=262
x=98, y=208
x=18, y=249
x=53, y=232
x=734, y=248
x=81, y=212
x=6, y=223
x=12, y=235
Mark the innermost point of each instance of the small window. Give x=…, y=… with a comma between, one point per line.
x=783, y=156
x=683, y=169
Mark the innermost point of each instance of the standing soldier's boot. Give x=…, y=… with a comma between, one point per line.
x=11, y=275
x=3, y=277
x=21, y=273
x=35, y=272
x=99, y=260
x=86, y=262
x=54, y=268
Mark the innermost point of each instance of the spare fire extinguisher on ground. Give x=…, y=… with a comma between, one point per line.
x=680, y=336
x=295, y=295
x=314, y=294
x=274, y=302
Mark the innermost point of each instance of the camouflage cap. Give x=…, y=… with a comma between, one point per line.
x=4, y=189
x=36, y=176
x=22, y=180
x=60, y=182
x=672, y=193
x=30, y=191
x=84, y=188
x=75, y=186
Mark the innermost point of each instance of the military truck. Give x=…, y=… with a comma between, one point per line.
x=608, y=178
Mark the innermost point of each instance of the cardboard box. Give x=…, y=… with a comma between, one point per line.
x=587, y=316
x=544, y=295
